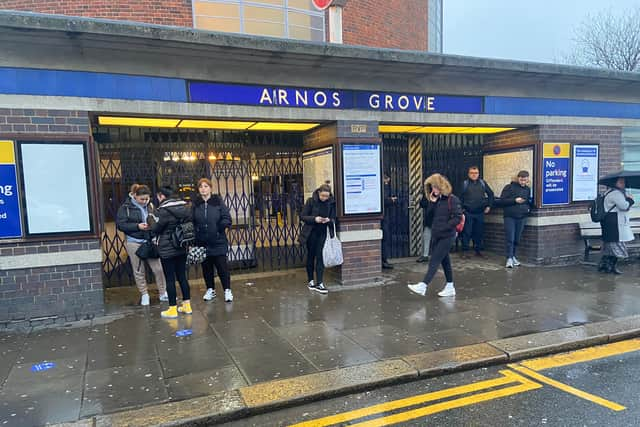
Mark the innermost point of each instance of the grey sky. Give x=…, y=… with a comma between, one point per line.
x=515, y=29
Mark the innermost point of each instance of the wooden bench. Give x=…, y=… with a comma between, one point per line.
x=591, y=234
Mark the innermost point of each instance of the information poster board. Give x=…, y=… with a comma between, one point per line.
x=55, y=187
x=10, y=220
x=499, y=169
x=585, y=172
x=362, y=179
x=555, y=173
x=317, y=169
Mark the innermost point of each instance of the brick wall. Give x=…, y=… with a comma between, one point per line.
x=362, y=260
x=54, y=293
x=555, y=244
x=162, y=12
x=58, y=292
x=399, y=24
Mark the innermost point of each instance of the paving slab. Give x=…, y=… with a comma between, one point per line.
x=454, y=359
x=546, y=342
x=314, y=386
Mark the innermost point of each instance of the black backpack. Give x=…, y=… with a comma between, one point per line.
x=184, y=233
x=597, y=208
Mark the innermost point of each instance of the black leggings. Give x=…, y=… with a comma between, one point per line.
x=209, y=267
x=314, y=255
x=440, y=255
x=176, y=267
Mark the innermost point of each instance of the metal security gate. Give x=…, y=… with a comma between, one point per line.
x=259, y=176
x=395, y=155
x=451, y=155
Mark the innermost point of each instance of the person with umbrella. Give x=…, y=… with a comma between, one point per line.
x=616, y=228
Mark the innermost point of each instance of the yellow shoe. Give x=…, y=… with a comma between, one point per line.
x=185, y=308
x=172, y=313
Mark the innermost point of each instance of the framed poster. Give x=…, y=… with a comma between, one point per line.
x=10, y=218
x=555, y=173
x=317, y=169
x=56, y=187
x=362, y=180
x=584, y=179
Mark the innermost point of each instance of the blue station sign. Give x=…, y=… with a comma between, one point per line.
x=10, y=222
x=338, y=99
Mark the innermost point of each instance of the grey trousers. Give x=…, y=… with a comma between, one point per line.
x=426, y=241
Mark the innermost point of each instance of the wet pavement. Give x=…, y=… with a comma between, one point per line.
x=276, y=328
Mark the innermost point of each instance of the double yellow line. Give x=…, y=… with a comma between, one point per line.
x=495, y=390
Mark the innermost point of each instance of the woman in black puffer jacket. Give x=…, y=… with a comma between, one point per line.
x=170, y=213
x=211, y=219
x=444, y=212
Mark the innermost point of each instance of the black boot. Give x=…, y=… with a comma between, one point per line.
x=613, y=269
x=603, y=267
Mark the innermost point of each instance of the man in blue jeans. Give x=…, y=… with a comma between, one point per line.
x=516, y=201
x=476, y=198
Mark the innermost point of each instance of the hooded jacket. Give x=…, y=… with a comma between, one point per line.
x=310, y=211
x=508, y=201
x=170, y=213
x=211, y=219
x=128, y=218
x=616, y=226
x=445, y=213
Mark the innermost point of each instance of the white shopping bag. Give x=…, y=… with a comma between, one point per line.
x=332, y=250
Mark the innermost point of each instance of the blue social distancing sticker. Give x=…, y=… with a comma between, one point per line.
x=39, y=367
x=184, y=332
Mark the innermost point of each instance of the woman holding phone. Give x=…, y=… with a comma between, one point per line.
x=318, y=214
x=444, y=211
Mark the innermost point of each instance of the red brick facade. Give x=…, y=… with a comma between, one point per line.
x=398, y=24
x=162, y=12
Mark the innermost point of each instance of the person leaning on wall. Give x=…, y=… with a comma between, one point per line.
x=516, y=202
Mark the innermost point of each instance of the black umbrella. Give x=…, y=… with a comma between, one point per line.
x=631, y=178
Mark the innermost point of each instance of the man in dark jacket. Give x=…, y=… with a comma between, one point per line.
x=170, y=213
x=476, y=198
x=516, y=201
x=389, y=201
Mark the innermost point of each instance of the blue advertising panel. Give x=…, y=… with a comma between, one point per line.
x=555, y=174
x=10, y=222
x=218, y=93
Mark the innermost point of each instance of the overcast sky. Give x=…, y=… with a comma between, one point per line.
x=515, y=29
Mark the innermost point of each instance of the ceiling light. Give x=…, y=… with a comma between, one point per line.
x=485, y=130
x=283, y=126
x=137, y=121
x=214, y=124
x=395, y=128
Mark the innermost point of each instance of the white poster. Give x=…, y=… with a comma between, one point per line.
x=55, y=188
x=361, y=179
x=317, y=169
x=585, y=172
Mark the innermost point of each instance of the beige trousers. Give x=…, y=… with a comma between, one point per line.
x=139, y=269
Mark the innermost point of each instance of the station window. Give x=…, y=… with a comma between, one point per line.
x=294, y=19
x=631, y=153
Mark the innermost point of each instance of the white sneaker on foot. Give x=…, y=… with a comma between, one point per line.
x=228, y=295
x=164, y=297
x=509, y=263
x=448, y=291
x=209, y=295
x=516, y=263
x=144, y=300
x=320, y=288
x=418, y=288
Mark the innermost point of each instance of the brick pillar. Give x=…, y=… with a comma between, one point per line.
x=361, y=235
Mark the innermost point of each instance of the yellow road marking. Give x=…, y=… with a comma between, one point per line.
x=445, y=406
x=507, y=378
x=568, y=389
x=584, y=355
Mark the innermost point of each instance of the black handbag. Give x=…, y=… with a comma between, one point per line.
x=147, y=250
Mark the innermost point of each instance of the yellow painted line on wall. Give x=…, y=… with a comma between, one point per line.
x=583, y=355
x=508, y=378
x=568, y=389
x=452, y=404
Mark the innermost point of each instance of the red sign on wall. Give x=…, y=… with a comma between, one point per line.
x=322, y=4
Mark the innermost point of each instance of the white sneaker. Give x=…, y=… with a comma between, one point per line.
x=145, y=299
x=164, y=297
x=209, y=295
x=228, y=295
x=516, y=263
x=509, y=263
x=448, y=291
x=419, y=288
